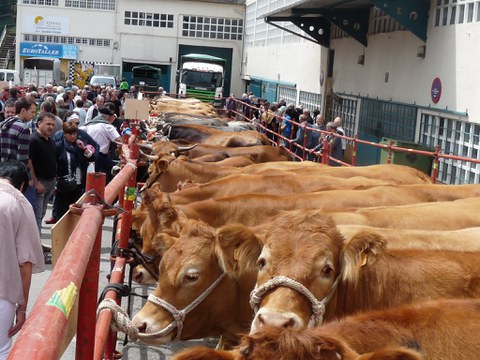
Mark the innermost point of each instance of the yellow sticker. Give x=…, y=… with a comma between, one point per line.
x=129, y=194
x=64, y=299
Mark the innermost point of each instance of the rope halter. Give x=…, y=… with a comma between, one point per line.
x=179, y=315
x=318, y=307
x=121, y=321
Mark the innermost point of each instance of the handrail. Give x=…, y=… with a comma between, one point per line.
x=43, y=332
x=4, y=33
x=436, y=154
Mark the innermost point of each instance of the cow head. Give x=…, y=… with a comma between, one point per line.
x=300, y=267
x=219, y=263
x=302, y=256
x=286, y=344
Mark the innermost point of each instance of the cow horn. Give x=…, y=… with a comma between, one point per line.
x=145, y=146
x=186, y=148
x=152, y=157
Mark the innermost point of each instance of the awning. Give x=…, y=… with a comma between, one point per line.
x=315, y=17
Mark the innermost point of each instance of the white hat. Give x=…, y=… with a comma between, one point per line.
x=72, y=117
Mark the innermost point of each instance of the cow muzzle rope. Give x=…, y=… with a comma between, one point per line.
x=121, y=321
x=318, y=307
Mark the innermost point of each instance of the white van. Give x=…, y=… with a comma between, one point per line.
x=9, y=78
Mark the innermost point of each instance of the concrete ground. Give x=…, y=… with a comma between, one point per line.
x=132, y=351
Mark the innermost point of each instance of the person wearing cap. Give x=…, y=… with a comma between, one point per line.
x=100, y=128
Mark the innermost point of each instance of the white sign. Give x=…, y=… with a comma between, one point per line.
x=48, y=25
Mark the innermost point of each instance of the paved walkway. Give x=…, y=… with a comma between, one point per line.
x=132, y=350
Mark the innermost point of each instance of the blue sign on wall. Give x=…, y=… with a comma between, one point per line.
x=57, y=51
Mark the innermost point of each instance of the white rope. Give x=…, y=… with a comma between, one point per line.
x=318, y=307
x=121, y=321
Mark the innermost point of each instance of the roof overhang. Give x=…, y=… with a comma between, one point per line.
x=315, y=17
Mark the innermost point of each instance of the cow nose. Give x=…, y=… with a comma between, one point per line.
x=274, y=319
x=142, y=327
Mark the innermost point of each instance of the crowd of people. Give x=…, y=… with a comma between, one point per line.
x=49, y=139
x=57, y=132
x=279, y=123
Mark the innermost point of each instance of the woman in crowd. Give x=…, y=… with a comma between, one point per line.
x=73, y=157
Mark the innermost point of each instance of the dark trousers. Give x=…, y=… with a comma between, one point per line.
x=104, y=164
x=63, y=200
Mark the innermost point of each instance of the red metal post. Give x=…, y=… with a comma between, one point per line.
x=325, y=152
x=436, y=161
x=354, y=152
x=389, y=158
x=105, y=339
x=87, y=306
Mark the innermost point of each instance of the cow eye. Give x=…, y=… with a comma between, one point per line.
x=327, y=270
x=191, y=277
x=261, y=263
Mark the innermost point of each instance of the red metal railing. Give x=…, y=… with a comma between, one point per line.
x=324, y=156
x=77, y=268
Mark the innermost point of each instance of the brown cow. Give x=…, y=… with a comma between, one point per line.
x=456, y=240
x=311, y=252
x=189, y=265
x=448, y=215
x=169, y=171
x=254, y=209
x=360, y=274
x=207, y=135
x=442, y=329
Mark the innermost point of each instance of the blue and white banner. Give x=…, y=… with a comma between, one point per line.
x=57, y=51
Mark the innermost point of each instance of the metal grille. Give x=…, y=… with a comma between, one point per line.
x=288, y=93
x=310, y=100
x=388, y=119
x=91, y=4
x=455, y=137
x=67, y=40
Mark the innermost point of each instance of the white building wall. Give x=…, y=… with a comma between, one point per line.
x=451, y=55
x=140, y=43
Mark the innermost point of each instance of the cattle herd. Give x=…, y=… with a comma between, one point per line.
x=299, y=260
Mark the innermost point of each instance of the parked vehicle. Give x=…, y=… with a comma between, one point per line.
x=103, y=80
x=41, y=71
x=201, y=76
x=10, y=78
x=146, y=76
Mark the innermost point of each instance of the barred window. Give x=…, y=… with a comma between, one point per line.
x=288, y=93
x=212, y=28
x=41, y=2
x=136, y=18
x=452, y=12
x=310, y=100
x=91, y=4
x=70, y=40
x=455, y=137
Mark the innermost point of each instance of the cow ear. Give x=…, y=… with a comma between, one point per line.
x=362, y=249
x=162, y=242
x=392, y=354
x=162, y=165
x=237, y=248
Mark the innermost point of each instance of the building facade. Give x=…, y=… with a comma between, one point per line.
x=392, y=70
x=77, y=35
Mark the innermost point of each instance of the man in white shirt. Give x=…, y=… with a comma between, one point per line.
x=20, y=251
x=101, y=130
x=92, y=111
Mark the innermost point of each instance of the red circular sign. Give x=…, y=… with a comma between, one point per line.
x=436, y=91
